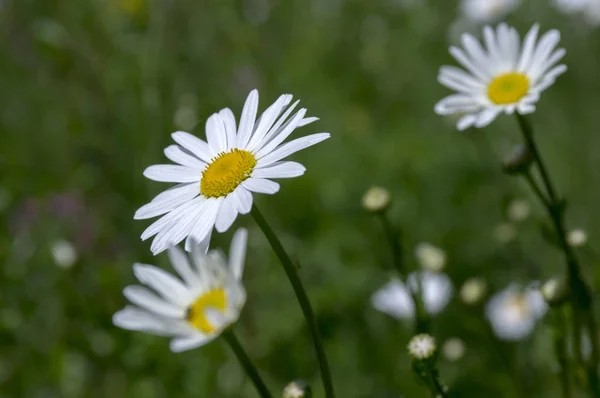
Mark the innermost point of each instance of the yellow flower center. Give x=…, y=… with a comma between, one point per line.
x=215, y=298
x=518, y=306
x=226, y=171
x=508, y=88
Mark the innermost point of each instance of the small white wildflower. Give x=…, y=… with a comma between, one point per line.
x=487, y=10
x=505, y=233
x=430, y=257
x=577, y=238
x=64, y=254
x=422, y=346
x=473, y=290
x=518, y=210
x=453, y=349
x=590, y=9
x=296, y=389
x=376, y=199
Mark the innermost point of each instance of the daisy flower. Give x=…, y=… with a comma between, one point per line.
x=513, y=312
x=195, y=308
x=502, y=77
x=395, y=298
x=589, y=8
x=216, y=178
x=487, y=10
x=422, y=346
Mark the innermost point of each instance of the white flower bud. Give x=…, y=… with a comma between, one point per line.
x=518, y=210
x=376, y=199
x=422, y=346
x=297, y=389
x=64, y=254
x=473, y=290
x=453, y=349
x=431, y=258
x=577, y=238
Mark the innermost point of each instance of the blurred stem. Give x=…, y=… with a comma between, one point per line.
x=560, y=348
x=581, y=297
x=246, y=363
x=292, y=274
x=394, y=237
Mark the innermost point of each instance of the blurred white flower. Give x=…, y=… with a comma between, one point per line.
x=518, y=210
x=430, y=257
x=395, y=299
x=487, y=10
x=503, y=77
x=296, y=389
x=63, y=253
x=195, y=309
x=216, y=178
x=505, y=233
x=514, y=311
x=376, y=199
x=453, y=349
x=473, y=290
x=421, y=346
x=590, y=9
x=577, y=237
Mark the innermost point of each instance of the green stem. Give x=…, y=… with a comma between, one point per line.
x=581, y=297
x=246, y=363
x=292, y=274
x=560, y=347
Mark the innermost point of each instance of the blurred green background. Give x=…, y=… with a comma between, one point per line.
x=90, y=92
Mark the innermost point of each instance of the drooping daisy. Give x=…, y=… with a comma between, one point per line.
x=195, y=308
x=487, y=10
x=395, y=298
x=216, y=179
x=513, y=312
x=502, y=77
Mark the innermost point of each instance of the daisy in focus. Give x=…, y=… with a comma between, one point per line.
x=395, y=298
x=487, y=10
x=196, y=307
x=513, y=312
x=503, y=77
x=216, y=178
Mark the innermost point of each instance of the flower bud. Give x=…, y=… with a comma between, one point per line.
x=577, y=237
x=555, y=292
x=473, y=290
x=64, y=254
x=422, y=346
x=430, y=257
x=376, y=199
x=297, y=389
x=453, y=349
x=518, y=210
x=518, y=160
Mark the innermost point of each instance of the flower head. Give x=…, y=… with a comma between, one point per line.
x=421, y=346
x=195, y=308
x=589, y=8
x=473, y=290
x=487, y=10
x=216, y=179
x=513, y=312
x=502, y=77
x=395, y=298
x=376, y=199
x=430, y=257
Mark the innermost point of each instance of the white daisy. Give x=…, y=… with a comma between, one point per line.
x=487, y=10
x=502, y=77
x=422, y=346
x=395, y=298
x=514, y=311
x=590, y=9
x=216, y=179
x=195, y=309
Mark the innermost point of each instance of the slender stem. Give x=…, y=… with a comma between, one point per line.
x=581, y=297
x=394, y=239
x=292, y=274
x=439, y=389
x=560, y=347
x=246, y=363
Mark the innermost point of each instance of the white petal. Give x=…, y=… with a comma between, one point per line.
x=394, y=299
x=227, y=214
x=466, y=121
x=247, y=120
x=181, y=264
x=282, y=135
x=528, y=48
x=436, y=289
x=168, y=200
x=276, y=127
x=261, y=185
x=166, y=221
x=165, y=284
x=544, y=48
x=267, y=119
x=131, y=318
x=215, y=133
x=460, y=77
x=194, y=144
x=476, y=52
x=172, y=173
x=456, y=103
x=190, y=242
x=280, y=170
x=147, y=300
x=292, y=147
x=184, y=157
x=230, y=127
x=243, y=200
x=189, y=343
x=465, y=61
x=486, y=116
x=205, y=223
x=237, y=252
x=307, y=120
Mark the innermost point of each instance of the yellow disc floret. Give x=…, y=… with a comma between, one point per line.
x=508, y=88
x=216, y=299
x=226, y=171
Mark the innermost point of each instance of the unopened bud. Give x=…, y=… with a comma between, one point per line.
x=518, y=210
x=473, y=290
x=555, y=292
x=64, y=254
x=422, y=346
x=376, y=199
x=577, y=237
x=453, y=349
x=430, y=257
x=518, y=160
x=505, y=233
x=297, y=389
